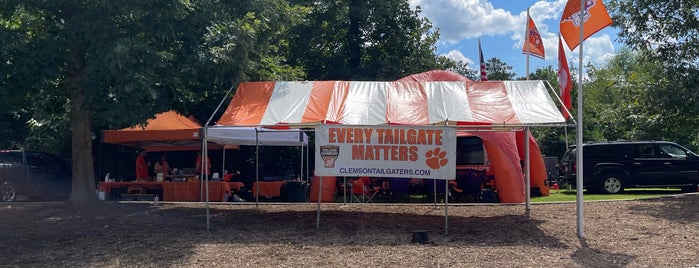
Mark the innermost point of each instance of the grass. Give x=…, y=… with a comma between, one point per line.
x=564, y=195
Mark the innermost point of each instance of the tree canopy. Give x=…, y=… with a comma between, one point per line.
x=73, y=68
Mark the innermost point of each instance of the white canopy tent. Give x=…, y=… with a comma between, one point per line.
x=431, y=98
x=255, y=136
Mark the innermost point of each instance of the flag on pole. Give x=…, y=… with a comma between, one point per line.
x=593, y=18
x=484, y=76
x=533, y=45
x=565, y=83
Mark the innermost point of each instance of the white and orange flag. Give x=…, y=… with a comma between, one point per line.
x=533, y=45
x=484, y=75
x=593, y=17
x=565, y=83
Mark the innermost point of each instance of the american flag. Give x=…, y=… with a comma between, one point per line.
x=484, y=76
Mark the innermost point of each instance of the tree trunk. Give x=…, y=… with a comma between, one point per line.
x=354, y=36
x=83, y=188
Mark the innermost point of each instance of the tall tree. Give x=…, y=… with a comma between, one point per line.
x=498, y=70
x=108, y=64
x=458, y=67
x=363, y=40
x=629, y=98
x=666, y=35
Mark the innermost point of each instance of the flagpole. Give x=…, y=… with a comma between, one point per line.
x=526, y=41
x=579, y=133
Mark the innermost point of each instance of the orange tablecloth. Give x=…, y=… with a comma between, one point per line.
x=108, y=186
x=268, y=188
x=190, y=191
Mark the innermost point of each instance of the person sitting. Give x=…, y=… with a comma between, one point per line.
x=228, y=177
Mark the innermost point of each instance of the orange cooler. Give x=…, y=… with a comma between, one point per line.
x=327, y=195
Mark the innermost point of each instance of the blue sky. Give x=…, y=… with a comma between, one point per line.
x=500, y=25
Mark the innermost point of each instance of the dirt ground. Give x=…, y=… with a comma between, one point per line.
x=661, y=232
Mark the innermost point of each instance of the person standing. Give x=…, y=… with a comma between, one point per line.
x=142, y=166
x=162, y=166
x=198, y=165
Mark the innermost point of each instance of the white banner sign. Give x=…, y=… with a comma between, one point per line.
x=386, y=151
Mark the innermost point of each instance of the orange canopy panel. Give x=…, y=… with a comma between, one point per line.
x=168, y=131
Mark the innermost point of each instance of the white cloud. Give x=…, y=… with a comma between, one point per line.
x=456, y=55
x=596, y=50
x=463, y=19
x=460, y=22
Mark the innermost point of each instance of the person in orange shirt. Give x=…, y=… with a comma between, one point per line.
x=142, y=167
x=162, y=166
x=198, y=167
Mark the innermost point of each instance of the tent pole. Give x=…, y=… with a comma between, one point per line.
x=204, y=146
x=320, y=190
x=527, y=169
x=206, y=177
x=434, y=195
x=223, y=165
x=446, y=208
x=257, y=169
x=301, y=164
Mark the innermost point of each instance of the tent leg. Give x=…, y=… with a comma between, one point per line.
x=320, y=190
x=527, y=169
x=446, y=208
x=257, y=168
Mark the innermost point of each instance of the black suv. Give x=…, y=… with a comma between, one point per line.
x=40, y=176
x=609, y=167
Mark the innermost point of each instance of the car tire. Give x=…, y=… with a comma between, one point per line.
x=8, y=192
x=611, y=184
x=690, y=189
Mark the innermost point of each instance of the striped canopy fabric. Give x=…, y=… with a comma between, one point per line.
x=506, y=103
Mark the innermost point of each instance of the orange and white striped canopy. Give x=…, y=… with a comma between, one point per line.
x=398, y=102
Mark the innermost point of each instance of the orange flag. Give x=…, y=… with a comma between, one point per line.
x=594, y=17
x=564, y=81
x=533, y=44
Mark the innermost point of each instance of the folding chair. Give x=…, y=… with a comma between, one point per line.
x=357, y=190
x=361, y=190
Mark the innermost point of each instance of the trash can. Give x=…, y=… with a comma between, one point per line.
x=294, y=191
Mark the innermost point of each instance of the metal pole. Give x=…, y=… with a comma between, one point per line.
x=320, y=190
x=526, y=42
x=527, y=176
x=579, y=136
x=257, y=169
x=446, y=208
x=204, y=146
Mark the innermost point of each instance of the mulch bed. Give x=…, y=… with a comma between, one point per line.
x=660, y=232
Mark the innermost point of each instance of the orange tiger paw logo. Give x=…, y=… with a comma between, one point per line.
x=436, y=158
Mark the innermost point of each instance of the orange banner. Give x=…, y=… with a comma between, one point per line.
x=565, y=83
x=593, y=18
